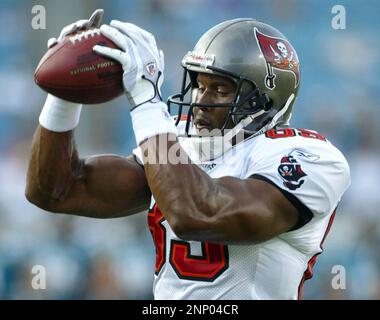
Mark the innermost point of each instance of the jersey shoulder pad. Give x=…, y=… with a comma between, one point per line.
x=301, y=162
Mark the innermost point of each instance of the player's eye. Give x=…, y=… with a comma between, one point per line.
x=222, y=92
x=201, y=89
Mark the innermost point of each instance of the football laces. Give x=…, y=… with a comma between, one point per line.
x=84, y=35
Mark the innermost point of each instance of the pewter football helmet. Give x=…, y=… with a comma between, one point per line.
x=262, y=63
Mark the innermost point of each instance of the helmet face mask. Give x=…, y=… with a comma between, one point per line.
x=245, y=102
x=262, y=63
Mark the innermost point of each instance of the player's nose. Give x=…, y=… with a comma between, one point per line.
x=203, y=97
x=201, y=109
x=202, y=100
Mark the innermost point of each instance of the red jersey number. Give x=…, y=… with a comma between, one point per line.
x=288, y=132
x=206, y=267
x=158, y=231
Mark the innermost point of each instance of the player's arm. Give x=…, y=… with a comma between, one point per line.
x=228, y=209
x=100, y=186
x=59, y=181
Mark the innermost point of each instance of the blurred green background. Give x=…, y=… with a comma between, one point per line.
x=114, y=259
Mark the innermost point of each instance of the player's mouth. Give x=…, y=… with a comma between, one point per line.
x=202, y=124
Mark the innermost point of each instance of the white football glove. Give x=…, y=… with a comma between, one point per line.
x=93, y=22
x=142, y=62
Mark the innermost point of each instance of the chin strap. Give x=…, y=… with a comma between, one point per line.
x=209, y=148
x=276, y=117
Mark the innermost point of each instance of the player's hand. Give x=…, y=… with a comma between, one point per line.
x=93, y=22
x=142, y=62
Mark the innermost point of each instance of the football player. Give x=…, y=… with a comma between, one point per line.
x=241, y=207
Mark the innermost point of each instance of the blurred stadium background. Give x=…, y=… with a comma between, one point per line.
x=114, y=259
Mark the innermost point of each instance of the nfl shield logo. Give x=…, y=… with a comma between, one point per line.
x=151, y=68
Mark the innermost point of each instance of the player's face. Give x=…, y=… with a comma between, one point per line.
x=213, y=90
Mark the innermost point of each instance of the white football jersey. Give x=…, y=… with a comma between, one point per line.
x=310, y=172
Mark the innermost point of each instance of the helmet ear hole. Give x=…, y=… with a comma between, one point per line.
x=266, y=101
x=262, y=101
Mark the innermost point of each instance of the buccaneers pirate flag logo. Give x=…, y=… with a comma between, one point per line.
x=291, y=172
x=278, y=54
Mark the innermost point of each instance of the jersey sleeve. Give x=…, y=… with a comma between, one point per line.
x=138, y=155
x=312, y=174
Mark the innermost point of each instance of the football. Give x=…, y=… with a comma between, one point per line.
x=72, y=71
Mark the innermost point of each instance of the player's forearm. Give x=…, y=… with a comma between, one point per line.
x=53, y=164
x=174, y=185
x=222, y=210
